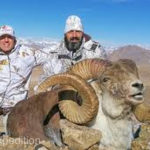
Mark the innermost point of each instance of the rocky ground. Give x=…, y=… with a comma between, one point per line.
x=75, y=138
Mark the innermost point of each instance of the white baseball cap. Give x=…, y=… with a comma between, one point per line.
x=5, y=29
x=73, y=23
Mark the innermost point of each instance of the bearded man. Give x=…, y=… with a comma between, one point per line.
x=75, y=46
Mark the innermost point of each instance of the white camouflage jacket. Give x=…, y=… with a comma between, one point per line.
x=88, y=49
x=15, y=72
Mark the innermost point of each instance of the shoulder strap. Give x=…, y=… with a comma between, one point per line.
x=94, y=46
x=63, y=57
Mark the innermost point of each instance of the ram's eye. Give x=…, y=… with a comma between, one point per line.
x=105, y=79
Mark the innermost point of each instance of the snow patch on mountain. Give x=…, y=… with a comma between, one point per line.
x=48, y=43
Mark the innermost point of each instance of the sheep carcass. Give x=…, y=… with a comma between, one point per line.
x=116, y=86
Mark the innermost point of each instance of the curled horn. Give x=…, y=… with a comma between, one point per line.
x=70, y=109
x=89, y=68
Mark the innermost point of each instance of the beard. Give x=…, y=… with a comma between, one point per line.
x=73, y=46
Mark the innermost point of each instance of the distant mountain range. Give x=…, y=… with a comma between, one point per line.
x=140, y=55
x=37, y=43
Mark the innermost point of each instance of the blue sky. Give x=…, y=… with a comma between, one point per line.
x=109, y=21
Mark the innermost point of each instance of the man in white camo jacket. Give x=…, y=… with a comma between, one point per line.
x=76, y=45
x=16, y=65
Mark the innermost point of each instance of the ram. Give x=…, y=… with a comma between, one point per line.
x=109, y=92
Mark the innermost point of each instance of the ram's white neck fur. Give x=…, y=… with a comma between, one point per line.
x=116, y=127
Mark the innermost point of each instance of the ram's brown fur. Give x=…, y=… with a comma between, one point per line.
x=27, y=117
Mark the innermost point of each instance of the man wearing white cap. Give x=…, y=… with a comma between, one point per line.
x=7, y=39
x=76, y=45
x=16, y=65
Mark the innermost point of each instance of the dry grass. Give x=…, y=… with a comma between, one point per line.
x=144, y=72
x=34, y=79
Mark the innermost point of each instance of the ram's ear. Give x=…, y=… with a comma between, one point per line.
x=130, y=65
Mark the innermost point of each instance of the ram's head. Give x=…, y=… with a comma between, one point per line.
x=121, y=80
